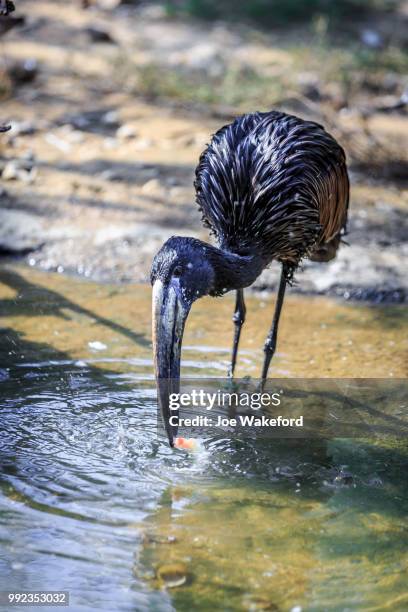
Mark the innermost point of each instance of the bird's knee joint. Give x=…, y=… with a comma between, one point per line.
x=238, y=318
x=270, y=345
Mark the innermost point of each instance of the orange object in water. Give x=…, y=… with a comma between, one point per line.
x=186, y=443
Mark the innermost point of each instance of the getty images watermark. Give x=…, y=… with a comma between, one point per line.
x=230, y=402
x=307, y=408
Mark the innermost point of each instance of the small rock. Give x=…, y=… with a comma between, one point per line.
x=97, y=346
x=69, y=133
x=173, y=575
x=96, y=121
x=10, y=172
x=112, y=175
x=28, y=155
x=260, y=603
x=58, y=143
x=29, y=177
x=151, y=187
x=110, y=143
x=126, y=131
x=312, y=92
x=143, y=143
x=160, y=539
x=99, y=35
x=23, y=72
x=111, y=118
x=15, y=170
x=80, y=364
x=23, y=128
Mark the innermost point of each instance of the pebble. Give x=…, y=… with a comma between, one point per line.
x=112, y=175
x=126, y=131
x=160, y=539
x=58, y=143
x=259, y=603
x=99, y=35
x=23, y=128
x=69, y=133
x=151, y=187
x=24, y=72
x=111, y=118
x=97, y=346
x=173, y=575
x=18, y=170
x=143, y=143
x=110, y=143
x=10, y=172
x=28, y=155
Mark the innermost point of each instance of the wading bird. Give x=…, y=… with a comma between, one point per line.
x=270, y=186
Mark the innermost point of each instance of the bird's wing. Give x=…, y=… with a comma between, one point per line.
x=272, y=182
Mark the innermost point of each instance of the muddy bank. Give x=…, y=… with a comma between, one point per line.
x=109, y=230
x=95, y=178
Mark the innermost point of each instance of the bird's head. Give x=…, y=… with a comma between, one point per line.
x=182, y=271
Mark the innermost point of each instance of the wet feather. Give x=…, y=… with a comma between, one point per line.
x=276, y=184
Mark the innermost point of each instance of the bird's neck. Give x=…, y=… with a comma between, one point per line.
x=233, y=271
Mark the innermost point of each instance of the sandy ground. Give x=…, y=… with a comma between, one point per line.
x=95, y=178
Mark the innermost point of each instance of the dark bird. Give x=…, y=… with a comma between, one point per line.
x=270, y=186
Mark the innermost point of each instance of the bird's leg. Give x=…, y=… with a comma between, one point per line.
x=238, y=320
x=270, y=344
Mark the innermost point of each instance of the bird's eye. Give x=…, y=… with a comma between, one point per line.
x=177, y=271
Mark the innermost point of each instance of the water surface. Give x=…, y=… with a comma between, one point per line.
x=93, y=502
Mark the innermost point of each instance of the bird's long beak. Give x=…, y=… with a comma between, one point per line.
x=169, y=316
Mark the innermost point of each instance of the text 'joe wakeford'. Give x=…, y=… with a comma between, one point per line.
x=219, y=399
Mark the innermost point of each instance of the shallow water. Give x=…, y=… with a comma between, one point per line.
x=92, y=502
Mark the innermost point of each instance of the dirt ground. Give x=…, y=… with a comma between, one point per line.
x=96, y=175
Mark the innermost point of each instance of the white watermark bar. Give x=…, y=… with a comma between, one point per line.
x=34, y=598
x=289, y=408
